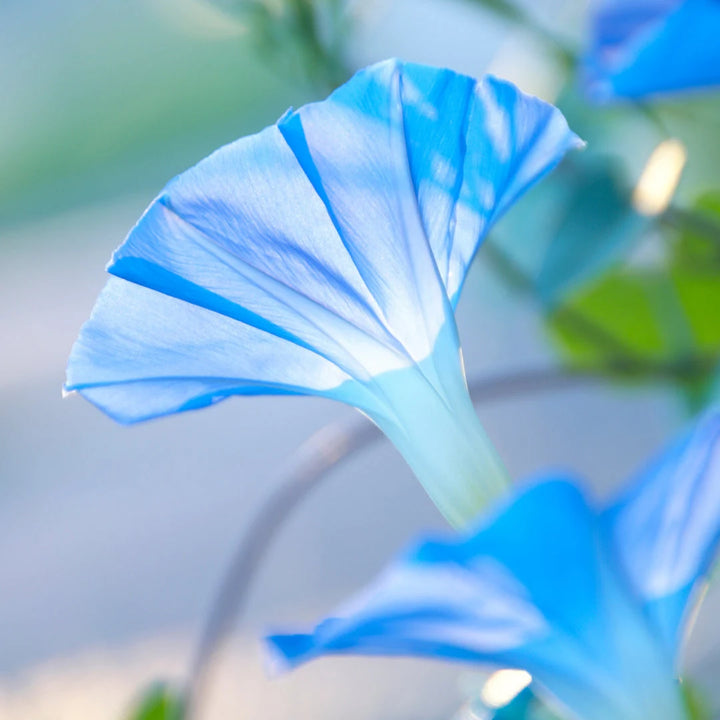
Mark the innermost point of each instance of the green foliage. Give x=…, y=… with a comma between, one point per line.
x=595, y=225
x=695, y=702
x=699, y=244
x=159, y=702
x=661, y=314
x=587, y=225
x=303, y=38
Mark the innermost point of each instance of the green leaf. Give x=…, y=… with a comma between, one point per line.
x=159, y=702
x=695, y=702
x=597, y=224
x=588, y=224
x=656, y=317
x=663, y=314
x=698, y=244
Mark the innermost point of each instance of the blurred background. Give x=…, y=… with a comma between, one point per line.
x=113, y=540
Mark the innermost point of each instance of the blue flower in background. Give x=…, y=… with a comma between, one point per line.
x=594, y=603
x=325, y=256
x=644, y=47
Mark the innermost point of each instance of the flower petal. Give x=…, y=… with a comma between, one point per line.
x=144, y=354
x=312, y=229
x=352, y=148
x=333, y=232
x=532, y=589
x=244, y=234
x=667, y=526
x=460, y=149
x=644, y=47
x=512, y=141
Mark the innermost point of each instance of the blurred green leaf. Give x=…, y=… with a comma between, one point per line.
x=699, y=232
x=657, y=317
x=300, y=38
x=596, y=226
x=587, y=225
x=696, y=702
x=664, y=313
x=159, y=702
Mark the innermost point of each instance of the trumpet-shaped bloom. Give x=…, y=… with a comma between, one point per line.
x=645, y=47
x=325, y=256
x=592, y=601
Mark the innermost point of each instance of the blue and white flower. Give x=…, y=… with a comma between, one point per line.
x=325, y=256
x=647, y=47
x=593, y=601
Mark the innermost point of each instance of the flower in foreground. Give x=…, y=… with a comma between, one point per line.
x=645, y=47
x=325, y=256
x=593, y=602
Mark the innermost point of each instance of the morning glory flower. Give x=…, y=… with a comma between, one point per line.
x=593, y=601
x=325, y=256
x=646, y=47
